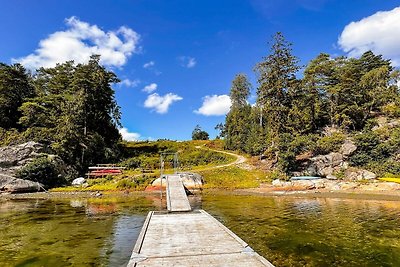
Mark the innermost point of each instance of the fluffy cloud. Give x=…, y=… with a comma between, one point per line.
x=129, y=83
x=379, y=33
x=161, y=103
x=215, y=105
x=187, y=62
x=81, y=40
x=149, y=64
x=127, y=136
x=150, y=88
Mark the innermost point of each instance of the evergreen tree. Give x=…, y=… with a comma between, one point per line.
x=276, y=77
x=15, y=88
x=237, y=120
x=199, y=134
x=75, y=111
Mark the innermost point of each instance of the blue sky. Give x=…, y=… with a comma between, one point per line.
x=177, y=58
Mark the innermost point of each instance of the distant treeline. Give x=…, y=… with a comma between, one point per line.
x=71, y=108
x=296, y=104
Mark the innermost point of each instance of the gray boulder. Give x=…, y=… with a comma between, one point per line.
x=15, y=157
x=325, y=165
x=357, y=175
x=189, y=180
x=79, y=181
x=16, y=185
x=192, y=180
x=348, y=148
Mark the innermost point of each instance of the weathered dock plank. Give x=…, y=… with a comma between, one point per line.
x=177, y=199
x=190, y=239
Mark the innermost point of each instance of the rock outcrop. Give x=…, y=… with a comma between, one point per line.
x=15, y=185
x=13, y=158
x=333, y=185
x=330, y=165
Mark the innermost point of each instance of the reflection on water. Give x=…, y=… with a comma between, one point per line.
x=314, y=231
x=287, y=231
x=75, y=232
x=126, y=231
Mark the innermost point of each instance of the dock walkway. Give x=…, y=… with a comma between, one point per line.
x=177, y=199
x=189, y=238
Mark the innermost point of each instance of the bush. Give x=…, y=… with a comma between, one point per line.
x=328, y=144
x=126, y=184
x=41, y=170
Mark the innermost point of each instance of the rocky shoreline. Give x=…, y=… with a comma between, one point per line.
x=358, y=192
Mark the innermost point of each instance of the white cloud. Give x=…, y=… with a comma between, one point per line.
x=161, y=103
x=129, y=83
x=81, y=40
x=150, y=88
x=149, y=64
x=215, y=105
x=187, y=62
x=127, y=136
x=379, y=33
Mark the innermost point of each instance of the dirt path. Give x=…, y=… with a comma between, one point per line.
x=240, y=160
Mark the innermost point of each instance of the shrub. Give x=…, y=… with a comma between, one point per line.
x=392, y=110
x=126, y=184
x=41, y=170
x=328, y=144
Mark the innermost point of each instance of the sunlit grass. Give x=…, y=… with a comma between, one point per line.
x=232, y=177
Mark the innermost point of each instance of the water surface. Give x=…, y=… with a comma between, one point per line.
x=71, y=232
x=287, y=231
x=313, y=231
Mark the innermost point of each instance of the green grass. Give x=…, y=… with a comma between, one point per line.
x=116, y=183
x=232, y=177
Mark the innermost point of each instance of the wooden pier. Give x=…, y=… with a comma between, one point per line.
x=177, y=199
x=189, y=238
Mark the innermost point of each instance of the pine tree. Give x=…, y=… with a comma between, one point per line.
x=276, y=77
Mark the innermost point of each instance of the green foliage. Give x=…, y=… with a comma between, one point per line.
x=290, y=113
x=70, y=107
x=199, y=134
x=240, y=91
x=41, y=170
x=327, y=144
x=232, y=178
x=376, y=151
x=147, y=154
x=276, y=174
x=126, y=184
x=15, y=88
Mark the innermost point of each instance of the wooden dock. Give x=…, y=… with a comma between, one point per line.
x=177, y=199
x=189, y=238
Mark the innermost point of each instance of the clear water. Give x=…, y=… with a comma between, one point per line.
x=313, y=231
x=71, y=232
x=287, y=231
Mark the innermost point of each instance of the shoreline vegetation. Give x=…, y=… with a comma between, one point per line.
x=343, y=194
x=339, y=120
